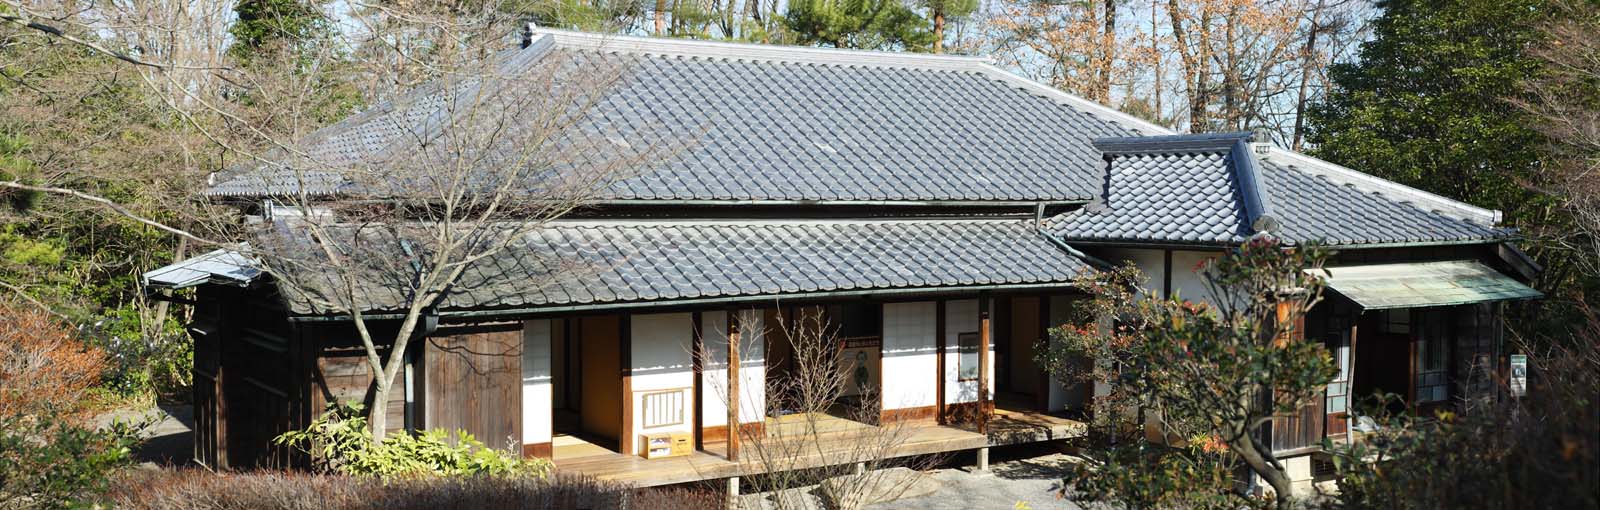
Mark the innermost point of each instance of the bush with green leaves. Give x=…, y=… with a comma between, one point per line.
x=1145, y=476
x=49, y=463
x=340, y=441
x=1218, y=370
x=1541, y=450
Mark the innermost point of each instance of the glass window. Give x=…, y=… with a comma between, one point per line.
x=1432, y=346
x=1397, y=321
x=967, y=346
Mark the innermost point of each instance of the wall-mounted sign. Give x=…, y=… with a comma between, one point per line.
x=1519, y=375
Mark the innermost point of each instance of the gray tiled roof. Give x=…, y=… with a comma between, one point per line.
x=1192, y=194
x=606, y=263
x=785, y=123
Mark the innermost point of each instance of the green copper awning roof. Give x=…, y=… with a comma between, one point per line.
x=1423, y=284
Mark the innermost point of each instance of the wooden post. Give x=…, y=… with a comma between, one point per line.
x=1350, y=382
x=939, y=361
x=983, y=364
x=626, y=441
x=733, y=385
x=697, y=352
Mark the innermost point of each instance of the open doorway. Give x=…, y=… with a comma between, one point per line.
x=843, y=391
x=586, y=390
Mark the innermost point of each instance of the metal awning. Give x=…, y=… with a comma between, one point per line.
x=1423, y=284
x=224, y=266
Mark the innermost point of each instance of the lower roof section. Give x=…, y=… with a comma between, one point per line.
x=571, y=265
x=1424, y=284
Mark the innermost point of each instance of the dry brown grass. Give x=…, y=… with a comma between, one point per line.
x=195, y=489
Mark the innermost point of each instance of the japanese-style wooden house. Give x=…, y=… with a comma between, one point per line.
x=936, y=209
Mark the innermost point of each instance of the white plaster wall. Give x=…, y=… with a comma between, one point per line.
x=1061, y=396
x=536, y=398
x=661, y=360
x=1186, y=282
x=1149, y=262
x=961, y=316
x=752, y=368
x=910, y=354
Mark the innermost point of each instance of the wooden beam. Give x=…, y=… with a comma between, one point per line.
x=983, y=363
x=733, y=385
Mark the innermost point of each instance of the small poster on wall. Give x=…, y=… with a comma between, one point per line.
x=861, y=359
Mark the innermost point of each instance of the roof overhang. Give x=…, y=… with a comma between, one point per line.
x=220, y=267
x=1423, y=284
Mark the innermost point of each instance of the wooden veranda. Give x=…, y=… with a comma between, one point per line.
x=1010, y=425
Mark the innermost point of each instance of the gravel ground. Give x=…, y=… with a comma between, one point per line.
x=170, y=439
x=1030, y=483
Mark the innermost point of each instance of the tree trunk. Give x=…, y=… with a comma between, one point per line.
x=1193, y=86
x=938, y=28
x=661, y=17
x=1262, y=463
x=1108, y=51
x=378, y=414
x=1308, y=55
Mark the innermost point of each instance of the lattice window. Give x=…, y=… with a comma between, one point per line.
x=663, y=408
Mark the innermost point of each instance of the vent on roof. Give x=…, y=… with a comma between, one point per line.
x=1260, y=141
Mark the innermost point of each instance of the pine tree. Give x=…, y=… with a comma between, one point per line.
x=861, y=24
x=274, y=25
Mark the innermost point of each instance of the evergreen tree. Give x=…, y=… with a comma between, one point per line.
x=1425, y=104
x=861, y=24
x=272, y=25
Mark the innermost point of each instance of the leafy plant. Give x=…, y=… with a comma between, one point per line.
x=1144, y=476
x=48, y=462
x=340, y=441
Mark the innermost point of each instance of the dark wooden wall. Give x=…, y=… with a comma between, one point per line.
x=473, y=382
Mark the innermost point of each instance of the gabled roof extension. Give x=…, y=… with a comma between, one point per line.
x=770, y=123
x=1215, y=189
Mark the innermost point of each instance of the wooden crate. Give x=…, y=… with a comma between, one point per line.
x=667, y=444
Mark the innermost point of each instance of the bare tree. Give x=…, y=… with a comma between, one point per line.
x=1563, y=99
x=491, y=151
x=822, y=426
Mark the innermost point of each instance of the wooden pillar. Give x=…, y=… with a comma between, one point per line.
x=938, y=362
x=625, y=439
x=1350, y=394
x=733, y=385
x=697, y=353
x=1041, y=399
x=983, y=364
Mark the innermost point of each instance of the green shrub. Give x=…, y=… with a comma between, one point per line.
x=1142, y=475
x=49, y=463
x=340, y=441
